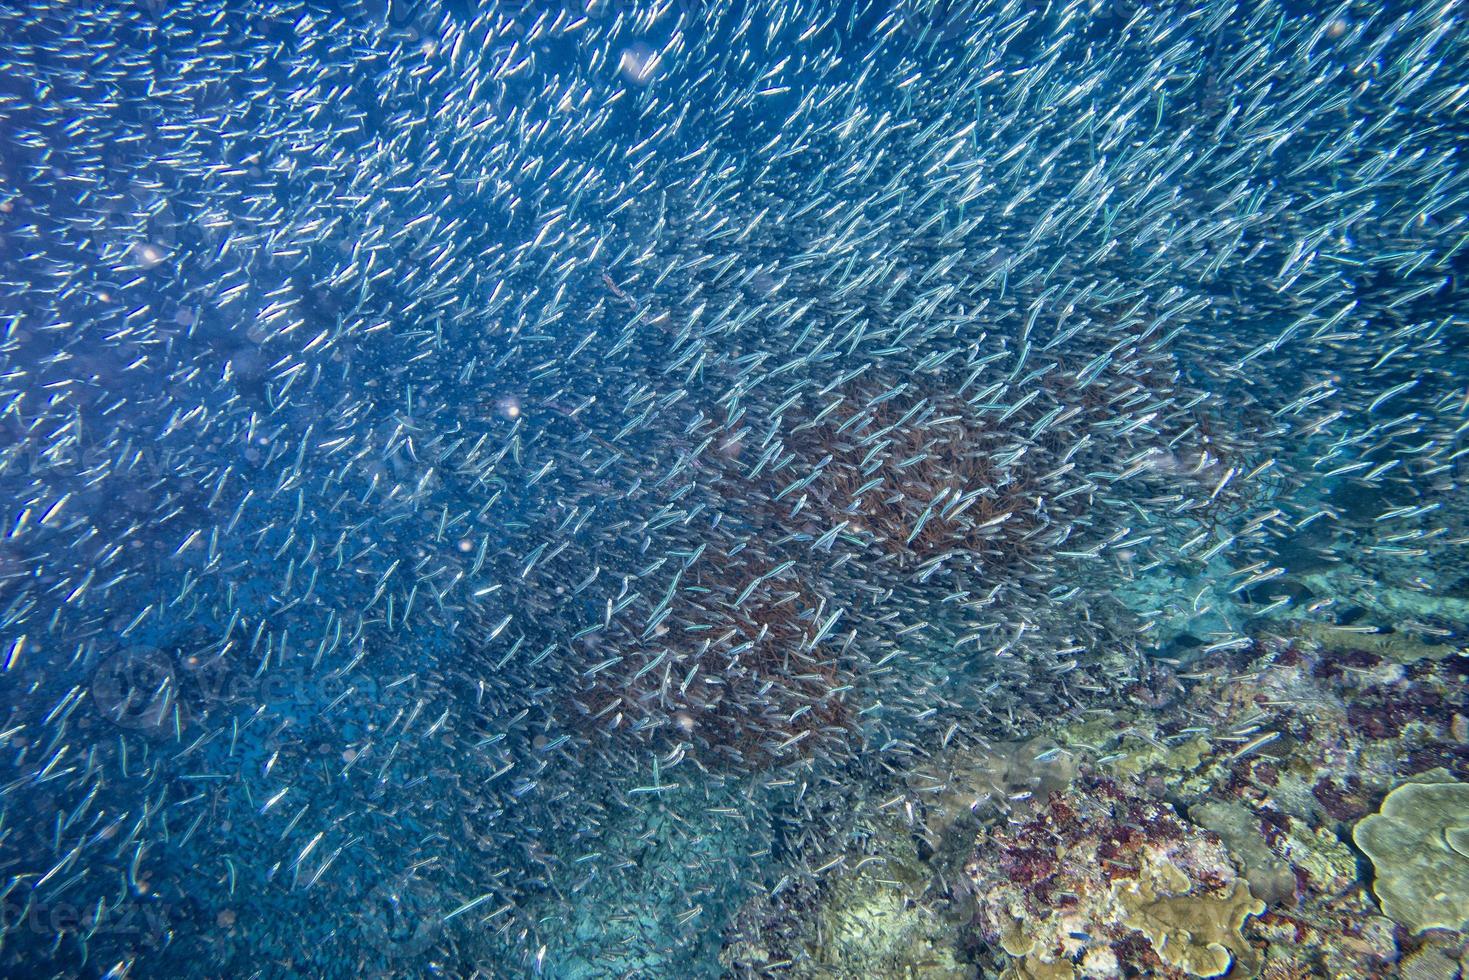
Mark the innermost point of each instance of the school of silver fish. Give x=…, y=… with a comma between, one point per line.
x=434, y=433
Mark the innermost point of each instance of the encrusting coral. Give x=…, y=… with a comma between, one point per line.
x=1271, y=877
x=1419, y=846
x=1199, y=934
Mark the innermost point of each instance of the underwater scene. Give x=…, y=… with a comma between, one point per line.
x=734, y=488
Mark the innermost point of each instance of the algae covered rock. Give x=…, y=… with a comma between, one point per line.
x=1419, y=846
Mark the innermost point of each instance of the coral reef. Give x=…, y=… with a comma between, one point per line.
x=1107, y=880
x=880, y=919
x=1419, y=845
x=965, y=786
x=880, y=932
x=1271, y=877
x=1432, y=962
x=1198, y=934
x=1202, y=828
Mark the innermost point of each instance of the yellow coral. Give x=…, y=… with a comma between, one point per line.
x=1035, y=968
x=1013, y=939
x=1419, y=845
x=1146, y=757
x=1199, y=934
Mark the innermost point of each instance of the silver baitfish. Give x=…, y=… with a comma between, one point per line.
x=486, y=483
